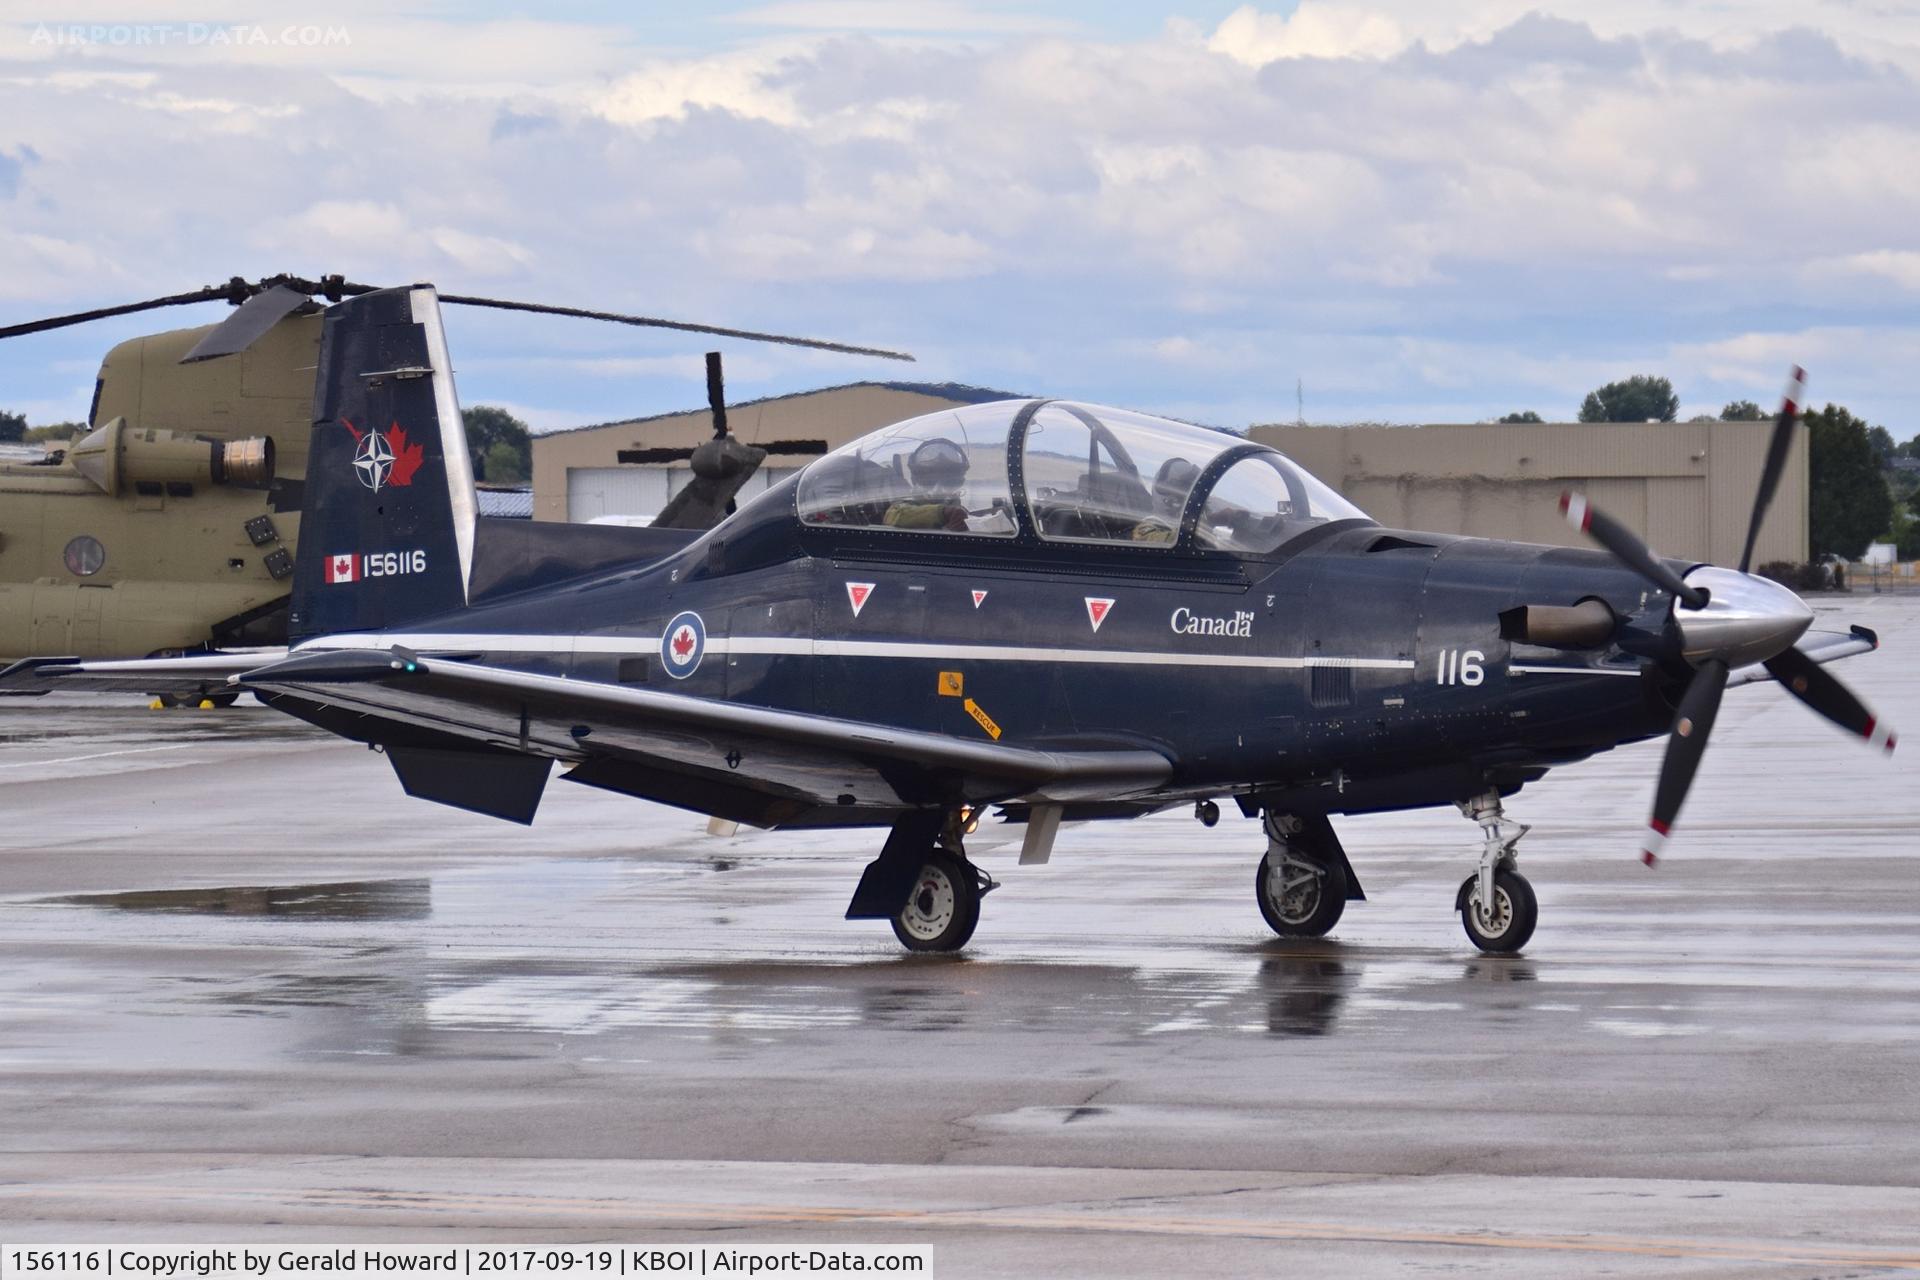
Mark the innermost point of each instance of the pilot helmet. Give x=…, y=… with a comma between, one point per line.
x=1173, y=482
x=938, y=468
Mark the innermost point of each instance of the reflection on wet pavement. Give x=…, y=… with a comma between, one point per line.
x=349, y=900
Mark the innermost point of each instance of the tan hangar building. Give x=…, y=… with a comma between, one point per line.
x=632, y=468
x=1687, y=487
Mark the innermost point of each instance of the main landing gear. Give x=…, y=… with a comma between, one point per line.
x=1496, y=904
x=923, y=885
x=1304, y=880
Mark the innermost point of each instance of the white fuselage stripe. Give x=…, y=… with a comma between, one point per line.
x=803, y=646
x=1519, y=669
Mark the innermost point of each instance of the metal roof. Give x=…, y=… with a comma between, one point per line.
x=958, y=392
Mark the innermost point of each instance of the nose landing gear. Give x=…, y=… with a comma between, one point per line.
x=1496, y=904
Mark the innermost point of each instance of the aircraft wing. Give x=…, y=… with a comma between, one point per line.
x=189, y=674
x=1822, y=646
x=768, y=767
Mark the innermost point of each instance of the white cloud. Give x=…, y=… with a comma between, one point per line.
x=1315, y=29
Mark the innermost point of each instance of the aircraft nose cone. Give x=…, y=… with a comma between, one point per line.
x=1747, y=618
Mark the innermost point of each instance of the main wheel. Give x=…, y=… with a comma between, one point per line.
x=1505, y=926
x=1300, y=897
x=943, y=908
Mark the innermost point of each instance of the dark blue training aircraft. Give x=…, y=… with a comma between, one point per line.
x=1064, y=611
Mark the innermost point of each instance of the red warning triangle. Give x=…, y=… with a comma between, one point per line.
x=857, y=593
x=978, y=596
x=1097, y=611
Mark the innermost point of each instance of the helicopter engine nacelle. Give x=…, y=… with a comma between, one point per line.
x=114, y=456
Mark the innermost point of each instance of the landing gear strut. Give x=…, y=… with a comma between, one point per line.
x=1302, y=884
x=1496, y=904
x=922, y=883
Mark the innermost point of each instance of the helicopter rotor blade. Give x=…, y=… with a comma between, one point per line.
x=1627, y=548
x=653, y=322
x=1777, y=450
x=1692, y=725
x=1808, y=681
x=211, y=293
x=249, y=322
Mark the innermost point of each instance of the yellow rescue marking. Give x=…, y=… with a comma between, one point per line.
x=952, y=684
x=982, y=719
x=1836, y=1253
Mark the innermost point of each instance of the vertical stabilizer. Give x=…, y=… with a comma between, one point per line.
x=387, y=531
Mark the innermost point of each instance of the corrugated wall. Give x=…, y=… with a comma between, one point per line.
x=1686, y=486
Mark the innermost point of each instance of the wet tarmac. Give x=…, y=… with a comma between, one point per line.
x=249, y=990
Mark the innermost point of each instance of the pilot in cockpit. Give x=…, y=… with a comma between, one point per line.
x=1171, y=484
x=937, y=469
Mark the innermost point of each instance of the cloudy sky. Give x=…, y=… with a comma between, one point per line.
x=1422, y=211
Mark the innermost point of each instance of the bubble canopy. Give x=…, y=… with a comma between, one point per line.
x=1056, y=471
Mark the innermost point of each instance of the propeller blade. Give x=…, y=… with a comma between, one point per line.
x=249, y=322
x=717, y=395
x=1808, y=681
x=1777, y=450
x=1692, y=723
x=1626, y=547
x=750, y=335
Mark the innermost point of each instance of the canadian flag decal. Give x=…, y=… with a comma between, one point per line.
x=858, y=594
x=1097, y=611
x=344, y=568
x=979, y=597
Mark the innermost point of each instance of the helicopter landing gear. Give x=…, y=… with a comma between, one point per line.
x=1302, y=884
x=1496, y=904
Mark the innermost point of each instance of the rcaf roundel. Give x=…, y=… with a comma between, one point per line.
x=979, y=597
x=858, y=593
x=1097, y=610
x=681, y=645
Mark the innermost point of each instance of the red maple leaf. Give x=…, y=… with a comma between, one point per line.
x=406, y=457
x=683, y=642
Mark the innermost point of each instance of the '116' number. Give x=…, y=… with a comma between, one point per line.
x=1459, y=666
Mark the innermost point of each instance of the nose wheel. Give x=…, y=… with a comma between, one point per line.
x=1496, y=904
x=1503, y=925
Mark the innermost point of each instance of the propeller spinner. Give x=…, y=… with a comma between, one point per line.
x=1727, y=618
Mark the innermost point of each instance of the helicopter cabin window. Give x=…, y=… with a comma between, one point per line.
x=1106, y=475
x=945, y=473
x=1264, y=501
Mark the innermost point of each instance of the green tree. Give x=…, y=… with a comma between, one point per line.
x=1848, y=502
x=1882, y=441
x=57, y=431
x=13, y=427
x=1742, y=411
x=1904, y=532
x=501, y=446
x=1525, y=415
x=1640, y=398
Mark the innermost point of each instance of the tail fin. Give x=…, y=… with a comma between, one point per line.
x=387, y=531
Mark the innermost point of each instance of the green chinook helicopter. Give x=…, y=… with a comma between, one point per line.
x=171, y=524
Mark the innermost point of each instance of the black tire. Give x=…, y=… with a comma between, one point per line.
x=221, y=700
x=944, y=908
x=1510, y=925
x=1308, y=910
